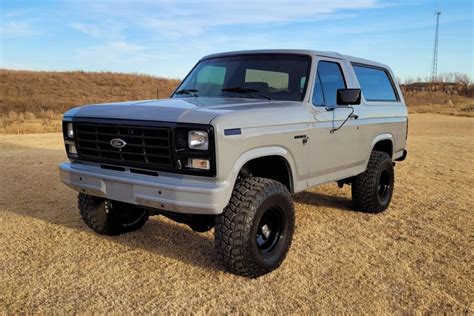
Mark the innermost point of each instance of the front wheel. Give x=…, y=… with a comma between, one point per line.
x=108, y=217
x=254, y=233
x=372, y=190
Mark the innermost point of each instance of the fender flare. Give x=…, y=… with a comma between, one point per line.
x=384, y=136
x=262, y=152
x=378, y=138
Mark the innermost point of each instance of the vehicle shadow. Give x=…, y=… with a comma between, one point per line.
x=163, y=237
x=325, y=200
x=159, y=236
x=45, y=198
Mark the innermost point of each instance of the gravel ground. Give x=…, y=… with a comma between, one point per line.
x=415, y=257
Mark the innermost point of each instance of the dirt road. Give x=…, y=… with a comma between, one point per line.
x=417, y=256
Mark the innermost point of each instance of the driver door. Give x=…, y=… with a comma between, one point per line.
x=334, y=154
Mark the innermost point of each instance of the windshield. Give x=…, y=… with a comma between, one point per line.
x=263, y=76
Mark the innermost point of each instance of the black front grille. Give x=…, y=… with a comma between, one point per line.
x=146, y=146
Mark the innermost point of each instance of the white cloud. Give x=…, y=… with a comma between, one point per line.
x=110, y=49
x=13, y=29
x=191, y=18
x=110, y=55
x=91, y=30
x=18, y=23
x=108, y=29
x=195, y=18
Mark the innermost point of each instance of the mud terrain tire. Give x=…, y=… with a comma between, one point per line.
x=108, y=217
x=254, y=233
x=372, y=190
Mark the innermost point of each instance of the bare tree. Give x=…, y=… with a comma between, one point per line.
x=448, y=77
x=409, y=80
x=453, y=77
x=461, y=78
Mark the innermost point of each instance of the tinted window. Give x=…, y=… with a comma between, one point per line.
x=318, y=97
x=279, y=76
x=375, y=84
x=210, y=80
x=276, y=81
x=330, y=79
x=302, y=83
x=211, y=74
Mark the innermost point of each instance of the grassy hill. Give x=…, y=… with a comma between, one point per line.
x=29, y=91
x=33, y=101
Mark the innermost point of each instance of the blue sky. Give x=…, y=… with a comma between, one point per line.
x=166, y=38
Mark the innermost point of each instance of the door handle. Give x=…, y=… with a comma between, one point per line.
x=304, y=138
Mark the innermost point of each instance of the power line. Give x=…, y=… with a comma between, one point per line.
x=434, y=69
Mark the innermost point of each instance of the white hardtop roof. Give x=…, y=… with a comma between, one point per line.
x=300, y=52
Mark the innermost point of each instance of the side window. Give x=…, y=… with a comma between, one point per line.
x=375, y=83
x=318, y=97
x=330, y=78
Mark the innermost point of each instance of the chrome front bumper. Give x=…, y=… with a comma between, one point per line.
x=169, y=192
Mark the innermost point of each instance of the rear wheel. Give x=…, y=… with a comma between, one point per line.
x=254, y=233
x=108, y=217
x=372, y=190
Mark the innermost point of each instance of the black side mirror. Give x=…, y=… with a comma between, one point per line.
x=348, y=96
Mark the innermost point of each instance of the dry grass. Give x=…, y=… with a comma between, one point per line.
x=13, y=122
x=33, y=91
x=34, y=101
x=416, y=257
x=440, y=103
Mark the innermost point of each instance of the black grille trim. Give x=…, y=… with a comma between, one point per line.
x=148, y=147
x=153, y=145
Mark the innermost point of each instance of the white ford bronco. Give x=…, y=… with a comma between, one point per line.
x=241, y=134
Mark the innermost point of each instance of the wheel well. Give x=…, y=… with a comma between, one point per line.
x=385, y=146
x=270, y=167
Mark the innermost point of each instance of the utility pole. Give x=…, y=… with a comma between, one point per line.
x=434, y=69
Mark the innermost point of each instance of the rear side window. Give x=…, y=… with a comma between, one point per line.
x=329, y=79
x=375, y=83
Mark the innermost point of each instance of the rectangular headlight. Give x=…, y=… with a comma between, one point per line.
x=198, y=140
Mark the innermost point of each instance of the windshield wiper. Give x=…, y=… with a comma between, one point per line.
x=246, y=91
x=191, y=92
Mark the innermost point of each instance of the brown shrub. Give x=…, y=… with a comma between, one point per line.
x=30, y=116
x=12, y=116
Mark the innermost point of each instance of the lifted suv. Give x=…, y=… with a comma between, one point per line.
x=241, y=133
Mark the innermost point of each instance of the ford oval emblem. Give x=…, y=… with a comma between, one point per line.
x=118, y=143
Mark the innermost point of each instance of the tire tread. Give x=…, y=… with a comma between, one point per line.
x=231, y=243
x=364, y=190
